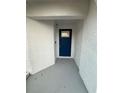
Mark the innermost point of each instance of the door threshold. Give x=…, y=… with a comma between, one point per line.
x=64, y=57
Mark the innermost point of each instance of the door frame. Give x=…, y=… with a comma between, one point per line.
x=71, y=43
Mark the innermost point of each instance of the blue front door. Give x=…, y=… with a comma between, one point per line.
x=65, y=36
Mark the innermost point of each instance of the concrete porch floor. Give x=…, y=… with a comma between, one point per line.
x=63, y=77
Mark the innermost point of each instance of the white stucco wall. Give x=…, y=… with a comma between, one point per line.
x=57, y=9
x=65, y=25
x=78, y=42
x=88, y=60
x=28, y=62
x=40, y=35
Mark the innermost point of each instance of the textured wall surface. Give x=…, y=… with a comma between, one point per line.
x=28, y=62
x=78, y=42
x=40, y=36
x=88, y=60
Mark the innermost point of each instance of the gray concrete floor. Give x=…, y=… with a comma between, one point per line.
x=63, y=77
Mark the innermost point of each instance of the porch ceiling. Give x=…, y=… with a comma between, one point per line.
x=57, y=17
x=52, y=0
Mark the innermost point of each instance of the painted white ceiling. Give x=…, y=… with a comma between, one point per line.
x=51, y=0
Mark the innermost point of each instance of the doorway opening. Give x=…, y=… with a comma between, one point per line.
x=65, y=37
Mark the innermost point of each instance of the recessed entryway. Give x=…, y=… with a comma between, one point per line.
x=65, y=32
x=49, y=38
